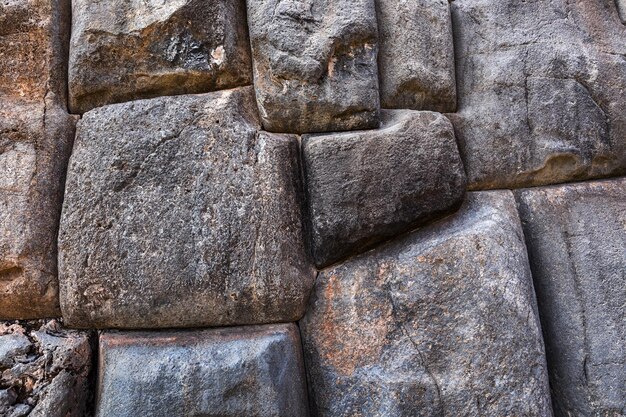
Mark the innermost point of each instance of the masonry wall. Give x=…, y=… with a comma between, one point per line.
x=312, y=208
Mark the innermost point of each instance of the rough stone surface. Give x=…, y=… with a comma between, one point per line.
x=179, y=212
x=370, y=185
x=576, y=236
x=35, y=142
x=123, y=50
x=442, y=322
x=315, y=64
x=236, y=372
x=45, y=370
x=416, y=55
x=541, y=89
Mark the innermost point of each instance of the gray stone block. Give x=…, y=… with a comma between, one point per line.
x=541, y=91
x=236, y=372
x=179, y=212
x=416, y=55
x=315, y=64
x=368, y=186
x=130, y=49
x=441, y=322
x=576, y=237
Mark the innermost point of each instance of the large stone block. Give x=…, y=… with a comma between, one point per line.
x=235, y=372
x=35, y=142
x=180, y=212
x=127, y=49
x=416, y=55
x=367, y=186
x=315, y=64
x=45, y=370
x=541, y=91
x=576, y=236
x=442, y=322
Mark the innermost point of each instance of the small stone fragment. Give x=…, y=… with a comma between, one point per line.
x=233, y=372
x=441, y=322
x=576, y=237
x=123, y=50
x=315, y=64
x=179, y=212
x=367, y=186
x=35, y=142
x=416, y=55
x=541, y=91
x=45, y=370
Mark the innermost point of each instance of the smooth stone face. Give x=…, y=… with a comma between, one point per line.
x=371, y=185
x=123, y=50
x=35, y=142
x=245, y=371
x=315, y=64
x=45, y=370
x=416, y=55
x=442, y=322
x=179, y=212
x=541, y=91
x=576, y=236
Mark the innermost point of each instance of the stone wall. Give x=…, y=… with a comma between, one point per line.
x=312, y=208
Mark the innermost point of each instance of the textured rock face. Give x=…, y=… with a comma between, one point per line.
x=442, y=322
x=179, y=212
x=541, y=90
x=416, y=55
x=248, y=371
x=315, y=64
x=35, y=142
x=370, y=185
x=44, y=370
x=123, y=50
x=576, y=237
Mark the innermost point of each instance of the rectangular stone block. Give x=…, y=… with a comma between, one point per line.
x=576, y=237
x=180, y=212
x=247, y=371
x=129, y=49
x=440, y=323
x=45, y=370
x=416, y=55
x=315, y=64
x=368, y=186
x=35, y=142
x=541, y=91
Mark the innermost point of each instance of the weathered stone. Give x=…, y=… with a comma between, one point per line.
x=368, y=186
x=245, y=371
x=442, y=322
x=416, y=55
x=35, y=142
x=179, y=212
x=541, y=90
x=45, y=370
x=576, y=236
x=123, y=50
x=315, y=64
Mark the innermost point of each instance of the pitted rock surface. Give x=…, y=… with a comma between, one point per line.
x=35, y=142
x=179, y=212
x=315, y=64
x=576, y=236
x=441, y=322
x=124, y=50
x=541, y=91
x=236, y=372
x=416, y=55
x=371, y=185
x=45, y=370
